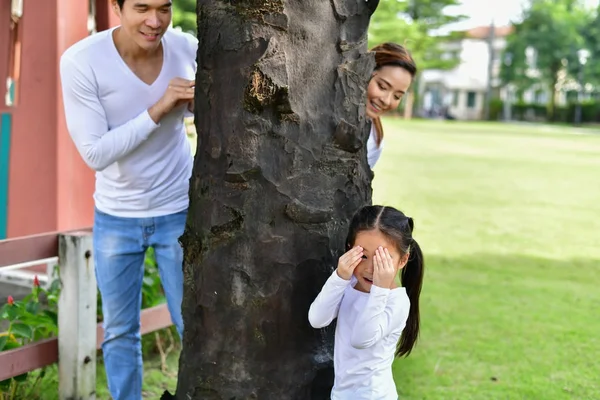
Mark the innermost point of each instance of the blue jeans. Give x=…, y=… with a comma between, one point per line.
x=119, y=249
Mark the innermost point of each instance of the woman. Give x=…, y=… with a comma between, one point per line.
x=394, y=71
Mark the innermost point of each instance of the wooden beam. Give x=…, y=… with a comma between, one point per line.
x=45, y=352
x=28, y=358
x=29, y=248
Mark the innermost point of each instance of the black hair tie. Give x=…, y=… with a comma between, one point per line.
x=411, y=224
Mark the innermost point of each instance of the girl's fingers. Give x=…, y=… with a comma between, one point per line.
x=351, y=259
x=382, y=257
x=346, y=255
x=388, y=258
x=355, y=260
x=351, y=253
x=355, y=263
x=343, y=258
x=356, y=252
x=376, y=261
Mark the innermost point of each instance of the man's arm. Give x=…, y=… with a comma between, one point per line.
x=192, y=49
x=87, y=124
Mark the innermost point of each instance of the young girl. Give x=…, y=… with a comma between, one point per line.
x=394, y=71
x=373, y=312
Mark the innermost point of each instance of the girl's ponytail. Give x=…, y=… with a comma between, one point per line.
x=412, y=280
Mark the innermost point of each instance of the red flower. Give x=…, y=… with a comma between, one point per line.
x=36, y=281
x=10, y=300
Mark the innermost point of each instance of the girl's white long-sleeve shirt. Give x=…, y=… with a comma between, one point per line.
x=369, y=326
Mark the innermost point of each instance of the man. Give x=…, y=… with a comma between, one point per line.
x=125, y=92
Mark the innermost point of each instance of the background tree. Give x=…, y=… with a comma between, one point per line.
x=279, y=171
x=389, y=24
x=590, y=32
x=593, y=43
x=551, y=30
x=184, y=15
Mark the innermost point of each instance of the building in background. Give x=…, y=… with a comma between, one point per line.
x=460, y=92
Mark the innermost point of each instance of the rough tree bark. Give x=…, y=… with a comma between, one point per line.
x=280, y=169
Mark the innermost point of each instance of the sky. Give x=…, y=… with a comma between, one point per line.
x=481, y=12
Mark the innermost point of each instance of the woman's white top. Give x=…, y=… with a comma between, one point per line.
x=373, y=152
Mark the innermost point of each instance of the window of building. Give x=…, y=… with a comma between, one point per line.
x=471, y=99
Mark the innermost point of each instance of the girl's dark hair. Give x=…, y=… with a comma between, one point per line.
x=398, y=228
x=391, y=54
x=120, y=3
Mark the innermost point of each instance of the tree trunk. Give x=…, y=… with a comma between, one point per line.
x=550, y=114
x=552, y=90
x=409, y=104
x=280, y=170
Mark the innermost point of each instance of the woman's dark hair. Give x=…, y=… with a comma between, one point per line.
x=398, y=228
x=391, y=54
x=120, y=3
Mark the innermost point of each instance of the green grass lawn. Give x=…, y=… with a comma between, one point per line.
x=507, y=216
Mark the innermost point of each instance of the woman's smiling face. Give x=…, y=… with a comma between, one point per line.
x=386, y=88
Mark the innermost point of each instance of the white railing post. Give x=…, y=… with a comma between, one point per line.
x=76, y=317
